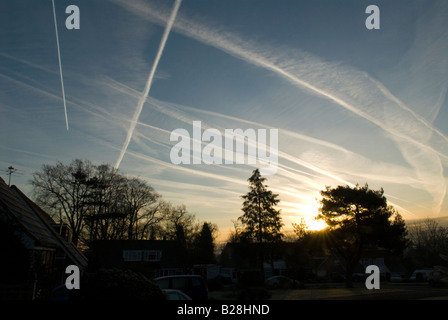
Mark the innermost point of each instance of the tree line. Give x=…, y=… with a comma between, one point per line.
x=359, y=222
x=100, y=203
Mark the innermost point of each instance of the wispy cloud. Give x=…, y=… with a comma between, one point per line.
x=297, y=177
x=333, y=153
x=422, y=145
x=342, y=84
x=27, y=63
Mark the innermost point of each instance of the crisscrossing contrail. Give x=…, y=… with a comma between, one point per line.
x=145, y=93
x=60, y=64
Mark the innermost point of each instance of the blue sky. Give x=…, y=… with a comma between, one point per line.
x=351, y=105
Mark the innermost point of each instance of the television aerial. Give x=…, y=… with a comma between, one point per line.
x=9, y=172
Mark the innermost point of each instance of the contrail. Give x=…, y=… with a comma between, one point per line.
x=144, y=96
x=60, y=64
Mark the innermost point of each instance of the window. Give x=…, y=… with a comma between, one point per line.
x=132, y=255
x=142, y=255
x=152, y=255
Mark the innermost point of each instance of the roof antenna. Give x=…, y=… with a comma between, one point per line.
x=11, y=170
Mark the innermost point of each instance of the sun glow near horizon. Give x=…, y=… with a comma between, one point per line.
x=308, y=212
x=315, y=224
x=312, y=211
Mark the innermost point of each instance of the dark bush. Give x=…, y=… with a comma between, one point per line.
x=251, y=285
x=117, y=284
x=215, y=284
x=254, y=293
x=251, y=278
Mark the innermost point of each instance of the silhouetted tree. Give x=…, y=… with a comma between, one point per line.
x=177, y=218
x=98, y=202
x=428, y=239
x=121, y=207
x=235, y=235
x=204, y=247
x=65, y=188
x=261, y=221
x=300, y=229
x=105, y=218
x=360, y=219
x=140, y=207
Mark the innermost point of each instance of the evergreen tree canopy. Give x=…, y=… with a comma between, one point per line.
x=360, y=219
x=261, y=221
x=204, y=247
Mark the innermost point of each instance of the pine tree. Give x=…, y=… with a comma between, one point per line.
x=360, y=220
x=204, y=248
x=261, y=221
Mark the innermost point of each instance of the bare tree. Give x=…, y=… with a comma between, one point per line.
x=428, y=240
x=64, y=188
x=98, y=202
x=148, y=221
x=138, y=199
x=106, y=218
x=429, y=234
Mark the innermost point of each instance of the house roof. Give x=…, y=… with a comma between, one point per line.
x=15, y=210
x=37, y=223
x=71, y=250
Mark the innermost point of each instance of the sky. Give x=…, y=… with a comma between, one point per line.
x=352, y=105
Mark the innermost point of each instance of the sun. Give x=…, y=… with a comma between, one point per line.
x=315, y=225
x=308, y=210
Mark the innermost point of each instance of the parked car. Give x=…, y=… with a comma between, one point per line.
x=420, y=275
x=282, y=282
x=192, y=285
x=60, y=293
x=359, y=277
x=438, y=277
x=336, y=277
x=396, y=277
x=172, y=294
